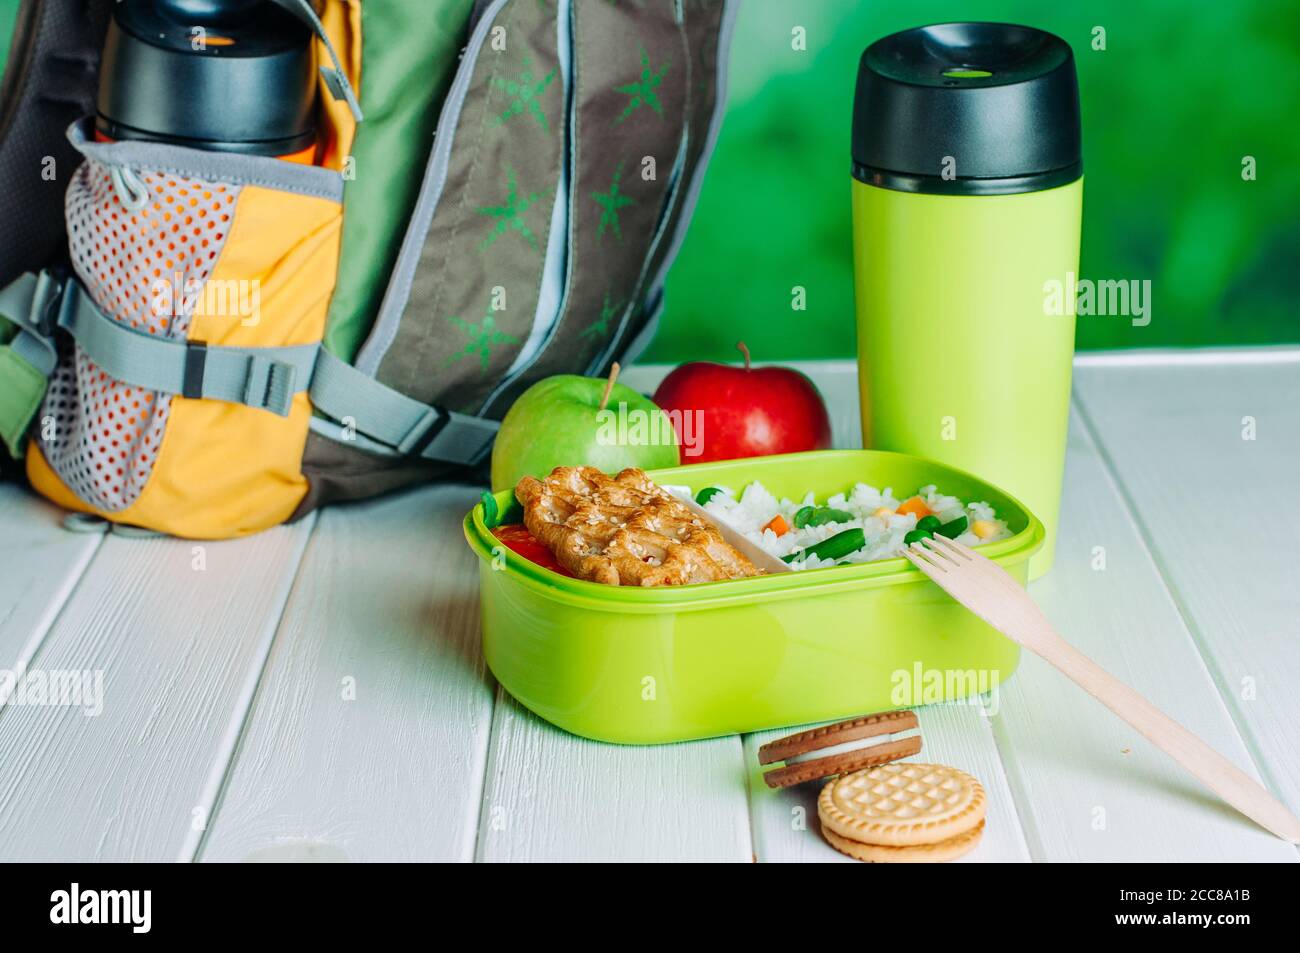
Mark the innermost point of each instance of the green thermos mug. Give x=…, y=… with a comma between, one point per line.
x=967, y=194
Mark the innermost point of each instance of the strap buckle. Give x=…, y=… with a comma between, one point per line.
x=33, y=306
x=468, y=442
x=471, y=437
x=271, y=385
x=259, y=382
x=419, y=437
x=47, y=302
x=460, y=438
x=196, y=363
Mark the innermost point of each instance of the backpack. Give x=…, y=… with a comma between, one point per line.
x=232, y=341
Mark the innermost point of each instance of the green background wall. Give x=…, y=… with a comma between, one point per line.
x=1182, y=92
x=8, y=10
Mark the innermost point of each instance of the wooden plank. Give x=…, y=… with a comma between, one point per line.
x=1189, y=356
x=1088, y=787
x=551, y=796
x=369, y=733
x=179, y=631
x=1216, y=512
x=40, y=563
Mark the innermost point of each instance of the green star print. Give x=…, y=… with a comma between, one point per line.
x=611, y=202
x=526, y=96
x=600, y=327
x=482, y=337
x=510, y=217
x=642, y=92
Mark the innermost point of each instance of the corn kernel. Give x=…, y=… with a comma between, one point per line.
x=984, y=528
x=883, y=512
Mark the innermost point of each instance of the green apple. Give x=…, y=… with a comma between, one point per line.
x=568, y=421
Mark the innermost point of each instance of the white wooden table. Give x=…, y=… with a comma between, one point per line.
x=317, y=692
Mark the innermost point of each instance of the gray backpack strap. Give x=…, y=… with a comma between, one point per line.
x=336, y=78
x=30, y=303
x=357, y=400
x=28, y=354
x=266, y=378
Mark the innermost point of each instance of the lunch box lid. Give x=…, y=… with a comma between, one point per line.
x=967, y=109
x=785, y=475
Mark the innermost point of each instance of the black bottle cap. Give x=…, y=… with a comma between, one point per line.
x=224, y=75
x=967, y=109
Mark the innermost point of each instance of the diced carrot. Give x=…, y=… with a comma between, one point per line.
x=914, y=507
x=778, y=525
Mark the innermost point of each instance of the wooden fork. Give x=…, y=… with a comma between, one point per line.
x=987, y=590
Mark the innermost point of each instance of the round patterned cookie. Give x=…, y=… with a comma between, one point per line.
x=902, y=804
x=945, y=850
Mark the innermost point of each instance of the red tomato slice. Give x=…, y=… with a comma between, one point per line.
x=516, y=538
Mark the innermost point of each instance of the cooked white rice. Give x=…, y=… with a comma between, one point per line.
x=756, y=507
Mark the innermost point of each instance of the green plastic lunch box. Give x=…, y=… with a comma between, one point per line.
x=647, y=666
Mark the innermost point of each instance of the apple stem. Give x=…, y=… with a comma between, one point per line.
x=740, y=346
x=609, y=385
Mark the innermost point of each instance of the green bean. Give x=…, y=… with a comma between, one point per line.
x=834, y=547
x=953, y=528
x=928, y=523
x=828, y=514
x=820, y=516
x=916, y=535
x=706, y=494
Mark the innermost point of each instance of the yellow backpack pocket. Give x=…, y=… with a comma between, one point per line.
x=198, y=300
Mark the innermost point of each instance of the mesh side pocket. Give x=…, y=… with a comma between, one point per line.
x=141, y=268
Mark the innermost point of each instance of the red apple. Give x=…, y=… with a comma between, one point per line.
x=743, y=411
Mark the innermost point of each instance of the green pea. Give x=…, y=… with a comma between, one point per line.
x=803, y=515
x=706, y=494
x=835, y=547
x=953, y=528
x=491, y=514
x=916, y=535
x=928, y=523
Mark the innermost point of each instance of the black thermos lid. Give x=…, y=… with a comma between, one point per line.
x=249, y=86
x=967, y=109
